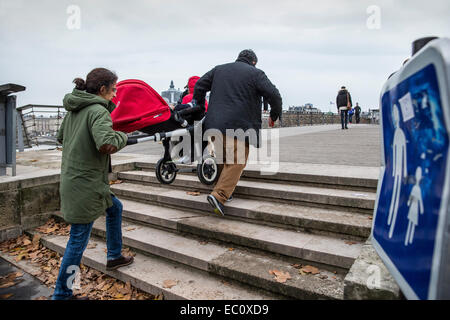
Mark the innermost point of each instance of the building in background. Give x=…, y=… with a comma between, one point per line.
x=172, y=94
x=307, y=108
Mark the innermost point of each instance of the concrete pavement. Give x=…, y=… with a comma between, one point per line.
x=323, y=144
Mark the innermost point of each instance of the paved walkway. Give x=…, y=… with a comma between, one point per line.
x=324, y=144
x=26, y=287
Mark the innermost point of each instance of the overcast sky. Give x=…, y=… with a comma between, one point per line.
x=307, y=48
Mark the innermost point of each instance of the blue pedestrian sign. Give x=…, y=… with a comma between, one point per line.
x=412, y=198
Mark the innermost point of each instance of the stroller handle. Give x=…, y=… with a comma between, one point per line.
x=139, y=140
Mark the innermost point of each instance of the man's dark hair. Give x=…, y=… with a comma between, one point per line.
x=249, y=55
x=95, y=80
x=343, y=88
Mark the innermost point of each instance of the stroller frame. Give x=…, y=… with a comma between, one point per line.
x=166, y=168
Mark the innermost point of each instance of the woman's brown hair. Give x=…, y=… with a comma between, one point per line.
x=95, y=80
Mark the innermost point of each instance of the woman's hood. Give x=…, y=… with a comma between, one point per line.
x=79, y=99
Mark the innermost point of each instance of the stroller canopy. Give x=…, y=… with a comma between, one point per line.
x=138, y=106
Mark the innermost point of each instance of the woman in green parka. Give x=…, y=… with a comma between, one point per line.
x=88, y=141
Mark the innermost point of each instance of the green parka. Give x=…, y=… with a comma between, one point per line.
x=84, y=187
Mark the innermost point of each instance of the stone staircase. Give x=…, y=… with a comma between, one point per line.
x=300, y=216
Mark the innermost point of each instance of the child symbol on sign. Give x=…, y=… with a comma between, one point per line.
x=415, y=204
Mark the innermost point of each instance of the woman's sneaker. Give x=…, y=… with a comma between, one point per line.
x=217, y=206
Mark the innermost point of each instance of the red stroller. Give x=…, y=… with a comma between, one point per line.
x=141, y=108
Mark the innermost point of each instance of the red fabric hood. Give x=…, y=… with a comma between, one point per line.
x=138, y=106
x=191, y=83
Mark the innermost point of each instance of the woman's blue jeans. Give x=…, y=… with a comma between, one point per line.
x=78, y=241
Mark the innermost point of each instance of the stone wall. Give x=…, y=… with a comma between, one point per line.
x=27, y=203
x=300, y=119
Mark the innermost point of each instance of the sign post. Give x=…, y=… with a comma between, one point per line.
x=8, y=121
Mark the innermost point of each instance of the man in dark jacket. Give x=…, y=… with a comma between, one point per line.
x=235, y=104
x=357, y=113
x=343, y=102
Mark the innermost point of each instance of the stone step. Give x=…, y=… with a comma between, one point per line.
x=324, y=197
x=320, y=249
x=148, y=273
x=311, y=219
x=332, y=176
x=235, y=263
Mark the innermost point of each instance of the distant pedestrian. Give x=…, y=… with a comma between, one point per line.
x=350, y=114
x=357, y=113
x=235, y=105
x=88, y=140
x=344, y=104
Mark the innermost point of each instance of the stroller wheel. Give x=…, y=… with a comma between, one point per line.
x=207, y=171
x=165, y=171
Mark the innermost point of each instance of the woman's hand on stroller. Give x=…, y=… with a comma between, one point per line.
x=108, y=149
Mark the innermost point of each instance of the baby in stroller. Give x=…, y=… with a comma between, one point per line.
x=141, y=108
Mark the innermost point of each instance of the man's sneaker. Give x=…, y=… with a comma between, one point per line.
x=230, y=198
x=217, y=206
x=119, y=262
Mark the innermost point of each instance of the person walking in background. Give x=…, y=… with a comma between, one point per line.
x=344, y=104
x=235, y=104
x=357, y=113
x=88, y=140
x=350, y=115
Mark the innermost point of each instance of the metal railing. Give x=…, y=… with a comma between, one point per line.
x=40, y=124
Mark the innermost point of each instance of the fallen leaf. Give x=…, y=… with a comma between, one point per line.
x=350, y=243
x=26, y=242
x=34, y=160
x=91, y=246
x=7, y=285
x=296, y=266
x=36, y=238
x=370, y=218
x=230, y=249
x=50, y=230
x=130, y=228
x=115, y=182
x=41, y=298
x=203, y=242
x=193, y=193
x=280, y=276
x=169, y=283
x=6, y=296
x=310, y=269
x=20, y=257
x=158, y=297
